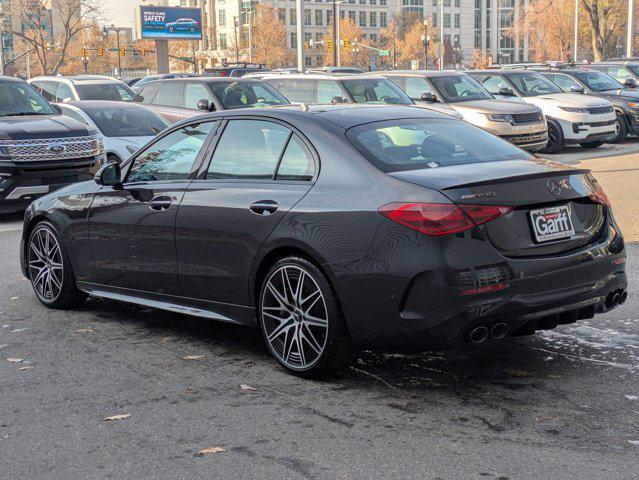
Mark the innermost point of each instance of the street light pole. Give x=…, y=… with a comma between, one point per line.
x=441, y=31
x=335, y=36
x=117, y=30
x=425, y=40
x=576, y=39
x=299, y=15
x=1, y=54
x=631, y=27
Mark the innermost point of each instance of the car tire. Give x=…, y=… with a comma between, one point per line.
x=50, y=270
x=591, y=144
x=623, y=128
x=302, y=325
x=555, y=138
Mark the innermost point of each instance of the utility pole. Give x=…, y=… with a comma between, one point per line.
x=576, y=39
x=1, y=54
x=337, y=23
x=441, y=32
x=250, y=35
x=631, y=27
x=335, y=35
x=299, y=15
x=117, y=30
x=425, y=42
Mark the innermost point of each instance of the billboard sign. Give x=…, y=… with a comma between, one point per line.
x=171, y=23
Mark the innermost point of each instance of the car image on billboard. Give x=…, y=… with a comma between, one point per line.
x=173, y=23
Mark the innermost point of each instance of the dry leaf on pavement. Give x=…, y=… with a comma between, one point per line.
x=117, y=417
x=84, y=330
x=193, y=357
x=24, y=369
x=248, y=388
x=208, y=450
x=15, y=360
x=517, y=373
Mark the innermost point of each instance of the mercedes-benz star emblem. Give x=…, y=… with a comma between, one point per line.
x=554, y=187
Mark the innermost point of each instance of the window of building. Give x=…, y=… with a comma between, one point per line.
x=221, y=18
x=307, y=17
x=319, y=18
x=446, y=20
x=329, y=17
x=362, y=19
x=383, y=19
x=293, y=16
x=293, y=40
x=281, y=14
x=372, y=21
x=457, y=20
x=222, y=40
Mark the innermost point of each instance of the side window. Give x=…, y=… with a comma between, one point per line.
x=297, y=162
x=49, y=89
x=37, y=84
x=493, y=83
x=415, y=86
x=248, y=149
x=171, y=157
x=64, y=93
x=170, y=94
x=74, y=115
x=327, y=90
x=298, y=90
x=148, y=93
x=193, y=93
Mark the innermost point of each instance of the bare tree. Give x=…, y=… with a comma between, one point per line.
x=50, y=28
x=606, y=22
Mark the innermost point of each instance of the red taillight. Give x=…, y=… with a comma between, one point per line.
x=599, y=196
x=438, y=219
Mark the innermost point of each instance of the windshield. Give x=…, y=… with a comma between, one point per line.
x=105, y=91
x=531, y=84
x=20, y=98
x=398, y=145
x=376, y=91
x=634, y=69
x=247, y=94
x=598, y=82
x=460, y=88
x=126, y=121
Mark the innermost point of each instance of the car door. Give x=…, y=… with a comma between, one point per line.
x=168, y=101
x=132, y=227
x=260, y=169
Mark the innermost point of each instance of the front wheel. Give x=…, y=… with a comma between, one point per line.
x=50, y=270
x=591, y=144
x=301, y=320
x=622, y=133
x=555, y=138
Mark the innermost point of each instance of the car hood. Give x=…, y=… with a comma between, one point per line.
x=494, y=106
x=438, y=107
x=41, y=126
x=570, y=100
x=622, y=92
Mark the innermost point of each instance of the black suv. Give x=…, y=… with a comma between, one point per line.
x=624, y=70
x=597, y=84
x=40, y=149
x=234, y=69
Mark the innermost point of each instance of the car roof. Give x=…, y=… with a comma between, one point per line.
x=78, y=79
x=4, y=78
x=325, y=76
x=208, y=80
x=502, y=72
x=420, y=73
x=343, y=115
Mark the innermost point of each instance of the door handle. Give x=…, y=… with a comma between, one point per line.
x=161, y=202
x=264, y=207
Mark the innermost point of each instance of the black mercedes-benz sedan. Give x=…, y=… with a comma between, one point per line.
x=332, y=227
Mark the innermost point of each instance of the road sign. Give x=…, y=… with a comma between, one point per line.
x=440, y=50
x=384, y=53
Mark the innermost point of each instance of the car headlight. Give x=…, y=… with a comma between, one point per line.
x=499, y=117
x=575, y=109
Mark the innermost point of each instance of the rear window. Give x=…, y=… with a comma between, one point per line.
x=411, y=144
x=105, y=91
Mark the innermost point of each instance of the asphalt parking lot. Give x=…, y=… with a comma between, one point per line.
x=561, y=404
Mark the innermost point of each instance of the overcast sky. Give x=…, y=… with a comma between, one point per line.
x=120, y=12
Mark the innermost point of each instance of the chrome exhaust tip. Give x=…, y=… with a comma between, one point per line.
x=499, y=331
x=615, y=299
x=623, y=298
x=478, y=334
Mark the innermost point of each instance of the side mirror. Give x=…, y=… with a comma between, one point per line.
x=505, y=92
x=109, y=175
x=428, y=97
x=631, y=83
x=337, y=99
x=577, y=89
x=203, y=104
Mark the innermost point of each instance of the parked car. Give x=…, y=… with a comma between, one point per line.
x=40, y=150
x=160, y=76
x=335, y=226
x=82, y=87
x=234, y=69
x=180, y=98
x=124, y=126
x=335, y=70
x=521, y=124
x=313, y=89
x=598, y=84
x=182, y=25
x=132, y=81
x=572, y=119
x=625, y=70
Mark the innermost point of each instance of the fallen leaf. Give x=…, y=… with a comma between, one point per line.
x=117, y=417
x=14, y=298
x=632, y=397
x=244, y=386
x=164, y=339
x=16, y=330
x=84, y=330
x=633, y=442
x=194, y=357
x=24, y=369
x=208, y=450
x=517, y=373
x=14, y=360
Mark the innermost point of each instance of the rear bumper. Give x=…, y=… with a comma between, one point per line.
x=421, y=297
x=19, y=186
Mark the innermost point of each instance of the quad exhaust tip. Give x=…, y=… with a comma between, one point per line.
x=478, y=334
x=623, y=298
x=499, y=331
x=618, y=297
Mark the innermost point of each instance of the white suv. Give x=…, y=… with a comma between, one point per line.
x=82, y=87
x=572, y=119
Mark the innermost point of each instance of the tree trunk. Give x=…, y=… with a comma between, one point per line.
x=596, y=34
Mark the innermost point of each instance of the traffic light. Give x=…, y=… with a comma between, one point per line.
x=143, y=51
x=84, y=52
x=329, y=43
x=347, y=43
x=100, y=52
x=122, y=52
